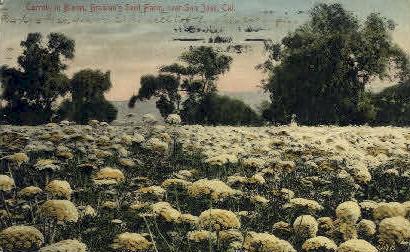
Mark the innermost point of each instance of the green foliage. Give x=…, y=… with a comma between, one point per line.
x=31, y=89
x=196, y=78
x=366, y=109
x=220, y=110
x=165, y=87
x=87, y=89
x=207, y=64
x=101, y=110
x=87, y=85
x=264, y=109
x=165, y=106
x=326, y=64
x=393, y=105
x=158, y=86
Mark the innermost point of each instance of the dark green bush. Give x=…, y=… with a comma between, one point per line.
x=393, y=105
x=87, y=88
x=219, y=110
x=100, y=110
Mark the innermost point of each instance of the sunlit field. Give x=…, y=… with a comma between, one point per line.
x=205, y=126
x=151, y=187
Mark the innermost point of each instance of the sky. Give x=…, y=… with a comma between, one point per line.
x=131, y=43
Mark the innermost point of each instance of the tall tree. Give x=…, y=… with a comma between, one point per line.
x=164, y=87
x=31, y=89
x=320, y=71
x=194, y=77
x=207, y=65
x=87, y=88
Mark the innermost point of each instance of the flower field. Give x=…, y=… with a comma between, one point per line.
x=150, y=187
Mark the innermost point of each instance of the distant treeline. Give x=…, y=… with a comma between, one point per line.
x=317, y=74
x=32, y=90
x=393, y=105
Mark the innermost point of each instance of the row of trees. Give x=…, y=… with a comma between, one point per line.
x=320, y=74
x=32, y=91
x=189, y=88
x=38, y=91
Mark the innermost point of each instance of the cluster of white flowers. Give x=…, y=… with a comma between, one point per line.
x=306, y=226
x=348, y=211
x=361, y=147
x=173, y=119
x=257, y=170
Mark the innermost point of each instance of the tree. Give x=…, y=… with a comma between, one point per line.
x=393, y=105
x=206, y=64
x=87, y=88
x=164, y=87
x=31, y=89
x=320, y=71
x=195, y=78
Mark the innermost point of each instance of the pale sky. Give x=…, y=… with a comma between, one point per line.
x=131, y=49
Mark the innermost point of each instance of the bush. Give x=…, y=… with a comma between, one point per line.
x=25, y=114
x=100, y=110
x=219, y=110
x=393, y=105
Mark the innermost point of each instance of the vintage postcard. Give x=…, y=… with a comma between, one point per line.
x=204, y=125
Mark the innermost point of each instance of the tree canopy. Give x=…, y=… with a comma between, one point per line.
x=194, y=78
x=87, y=88
x=31, y=89
x=190, y=89
x=166, y=88
x=89, y=84
x=320, y=71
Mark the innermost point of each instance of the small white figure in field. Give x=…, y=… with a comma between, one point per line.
x=293, y=121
